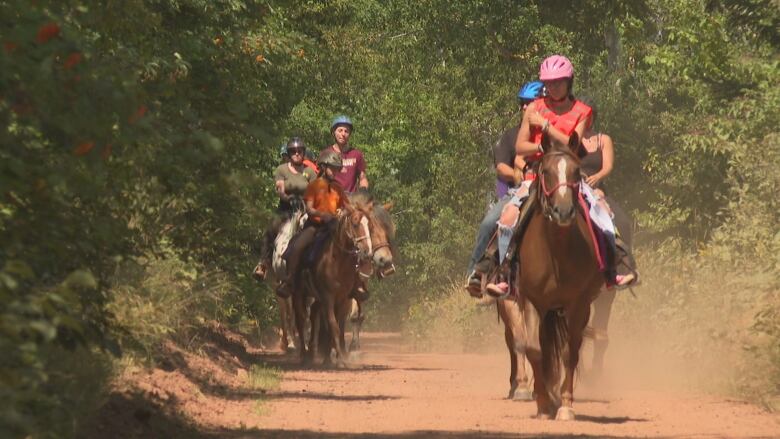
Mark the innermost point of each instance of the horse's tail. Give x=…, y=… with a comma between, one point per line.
x=553, y=338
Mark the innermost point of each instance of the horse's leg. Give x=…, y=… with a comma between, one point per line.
x=577, y=319
x=315, y=314
x=602, y=307
x=283, y=316
x=533, y=351
x=334, y=328
x=503, y=312
x=300, y=316
x=516, y=316
x=356, y=318
x=342, y=313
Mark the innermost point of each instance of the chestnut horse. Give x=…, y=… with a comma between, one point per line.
x=559, y=275
x=357, y=243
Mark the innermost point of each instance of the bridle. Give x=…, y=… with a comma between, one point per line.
x=545, y=192
x=362, y=255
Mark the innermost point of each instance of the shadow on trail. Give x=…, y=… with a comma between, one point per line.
x=608, y=419
x=416, y=434
x=327, y=396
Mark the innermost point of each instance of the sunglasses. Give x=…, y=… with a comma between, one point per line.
x=293, y=151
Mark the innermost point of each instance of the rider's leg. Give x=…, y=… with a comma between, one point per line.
x=486, y=230
x=625, y=258
x=507, y=225
x=294, y=255
x=601, y=216
x=481, y=256
x=266, y=253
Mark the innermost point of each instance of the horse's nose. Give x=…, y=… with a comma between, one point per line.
x=382, y=259
x=563, y=213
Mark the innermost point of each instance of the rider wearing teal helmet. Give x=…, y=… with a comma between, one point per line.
x=353, y=175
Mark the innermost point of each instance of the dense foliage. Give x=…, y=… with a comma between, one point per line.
x=139, y=138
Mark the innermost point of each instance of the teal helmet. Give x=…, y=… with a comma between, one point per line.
x=340, y=120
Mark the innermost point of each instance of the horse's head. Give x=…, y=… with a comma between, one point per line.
x=377, y=227
x=559, y=180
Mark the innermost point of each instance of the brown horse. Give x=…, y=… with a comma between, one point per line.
x=357, y=243
x=559, y=274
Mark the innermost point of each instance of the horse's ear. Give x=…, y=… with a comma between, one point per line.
x=388, y=206
x=545, y=142
x=574, y=142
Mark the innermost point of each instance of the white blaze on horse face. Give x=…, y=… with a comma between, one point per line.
x=367, y=234
x=562, y=177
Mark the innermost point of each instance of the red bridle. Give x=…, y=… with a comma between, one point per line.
x=574, y=185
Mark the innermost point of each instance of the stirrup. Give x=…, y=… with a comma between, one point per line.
x=474, y=284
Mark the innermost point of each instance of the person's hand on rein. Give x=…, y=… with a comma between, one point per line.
x=536, y=119
x=593, y=180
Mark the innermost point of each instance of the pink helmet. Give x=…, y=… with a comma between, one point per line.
x=556, y=67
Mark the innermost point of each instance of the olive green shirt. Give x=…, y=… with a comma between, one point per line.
x=294, y=183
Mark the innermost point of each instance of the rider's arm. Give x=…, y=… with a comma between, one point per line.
x=280, y=190
x=607, y=155
x=524, y=146
x=324, y=216
x=607, y=158
x=504, y=156
x=531, y=117
x=361, y=168
x=505, y=172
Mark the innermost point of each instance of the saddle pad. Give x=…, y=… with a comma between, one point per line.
x=316, y=247
x=282, y=241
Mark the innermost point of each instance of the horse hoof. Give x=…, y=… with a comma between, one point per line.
x=523, y=395
x=565, y=414
x=543, y=416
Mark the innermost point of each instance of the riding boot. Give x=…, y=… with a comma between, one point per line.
x=486, y=264
x=625, y=264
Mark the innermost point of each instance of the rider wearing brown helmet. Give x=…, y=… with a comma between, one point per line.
x=324, y=198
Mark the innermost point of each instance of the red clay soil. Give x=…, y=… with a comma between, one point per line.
x=390, y=392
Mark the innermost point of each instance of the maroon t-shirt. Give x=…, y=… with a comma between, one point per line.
x=353, y=164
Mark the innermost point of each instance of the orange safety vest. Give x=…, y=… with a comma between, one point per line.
x=565, y=122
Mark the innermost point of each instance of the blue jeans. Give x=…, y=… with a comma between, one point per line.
x=486, y=230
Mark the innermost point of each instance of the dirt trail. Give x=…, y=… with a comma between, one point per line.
x=396, y=392
x=391, y=392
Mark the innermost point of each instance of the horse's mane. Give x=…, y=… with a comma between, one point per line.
x=551, y=145
x=363, y=200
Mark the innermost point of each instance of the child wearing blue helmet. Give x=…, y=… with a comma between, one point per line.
x=509, y=167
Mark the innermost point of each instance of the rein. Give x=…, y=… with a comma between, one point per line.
x=545, y=192
x=354, y=250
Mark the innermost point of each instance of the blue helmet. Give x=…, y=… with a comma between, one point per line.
x=530, y=91
x=340, y=120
